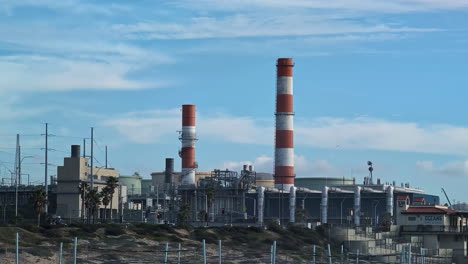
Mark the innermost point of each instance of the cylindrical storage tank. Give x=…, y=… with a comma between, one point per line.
x=357, y=206
x=390, y=190
x=75, y=151
x=169, y=171
x=245, y=167
x=284, y=135
x=146, y=185
x=292, y=205
x=188, y=138
x=324, y=205
x=133, y=184
x=261, y=203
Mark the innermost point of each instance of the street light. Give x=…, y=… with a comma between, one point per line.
x=18, y=174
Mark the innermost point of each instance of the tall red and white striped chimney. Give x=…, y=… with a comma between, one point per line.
x=284, y=138
x=188, y=137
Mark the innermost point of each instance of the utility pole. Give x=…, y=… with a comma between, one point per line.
x=92, y=157
x=106, y=156
x=17, y=171
x=84, y=147
x=46, y=166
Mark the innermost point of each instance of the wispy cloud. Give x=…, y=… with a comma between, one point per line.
x=382, y=6
x=325, y=132
x=303, y=166
x=379, y=134
x=73, y=6
x=453, y=168
x=248, y=25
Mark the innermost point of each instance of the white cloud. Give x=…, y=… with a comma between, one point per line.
x=453, y=168
x=38, y=74
x=261, y=25
x=382, y=6
x=261, y=164
x=152, y=126
x=354, y=133
x=379, y=134
x=303, y=166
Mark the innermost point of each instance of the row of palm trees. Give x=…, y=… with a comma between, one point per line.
x=93, y=198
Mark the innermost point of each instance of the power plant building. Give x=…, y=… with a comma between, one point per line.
x=69, y=176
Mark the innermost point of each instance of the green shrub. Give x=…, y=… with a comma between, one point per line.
x=202, y=233
x=114, y=230
x=274, y=227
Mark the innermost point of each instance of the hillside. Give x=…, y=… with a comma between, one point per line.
x=145, y=243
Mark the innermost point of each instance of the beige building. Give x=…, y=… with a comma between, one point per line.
x=158, y=177
x=69, y=176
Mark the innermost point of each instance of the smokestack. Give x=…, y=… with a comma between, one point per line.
x=188, y=138
x=284, y=139
x=169, y=170
x=75, y=151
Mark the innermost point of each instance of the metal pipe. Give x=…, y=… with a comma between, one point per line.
x=75, y=242
x=409, y=254
x=165, y=253
x=274, y=252
x=292, y=205
x=284, y=135
x=329, y=255
x=204, y=251
x=60, y=252
x=357, y=206
x=357, y=256
x=17, y=248
x=403, y=256
x=178, y=254
x=324, y=205
x=313, y=257
x=261, y=201
x=220, y=252
x=188, y=137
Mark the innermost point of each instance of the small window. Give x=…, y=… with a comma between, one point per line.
x=412, y=218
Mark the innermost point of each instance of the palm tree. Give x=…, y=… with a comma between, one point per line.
x=112, y=183
x=40, y=200
x=82, y=188
x=106, y=198
x=93, y=200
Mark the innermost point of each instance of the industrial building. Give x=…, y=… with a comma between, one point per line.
x=258, y=198
x=75, y=170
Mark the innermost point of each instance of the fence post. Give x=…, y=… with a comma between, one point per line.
x=403, y=255
x=165, y=253
x=220, y=251
x=75, y=242
x=274, y=252
x=204, y=251
x=178, y=254
x=313, y=257
x=357, y=256
x=271, y=254
x=17, y=248
x=329, y=255
x=409, y=254
x=342, y=254
x=60, y=252
x=423, y=253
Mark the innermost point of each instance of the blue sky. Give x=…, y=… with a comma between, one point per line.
x=374, y=80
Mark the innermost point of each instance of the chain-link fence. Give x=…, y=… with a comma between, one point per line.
x=24, y=250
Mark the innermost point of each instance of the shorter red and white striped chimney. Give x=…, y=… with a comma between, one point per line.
x=284, y=138
x=188, y=137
